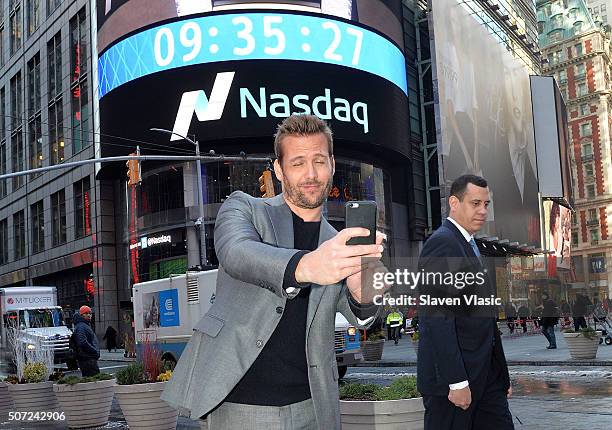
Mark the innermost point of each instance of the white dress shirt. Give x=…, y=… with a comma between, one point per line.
x=468, y=238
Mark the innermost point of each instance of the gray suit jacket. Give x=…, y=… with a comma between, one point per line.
x=254, y=243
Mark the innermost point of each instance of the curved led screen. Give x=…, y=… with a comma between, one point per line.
x=250, y=36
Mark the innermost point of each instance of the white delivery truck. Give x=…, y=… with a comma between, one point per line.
x=166, y=310
x=34, y=311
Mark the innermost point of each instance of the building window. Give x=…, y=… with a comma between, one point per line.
x=577, y=27
x=37, y=213
x=580, y=71
x=595, y=10
x=562, y=77
x=78, y=81
x=19, y=234
x=4, y=241
x=590, y=191
x=54, y=66
x=82, y=208
x=555, y=36
x=578, y=49
x=592, y=214
x=594, y=235
x=56, y=107
x=34, y=113
x=1, y=42
x=52, y=5
x=604, y=19
x=575, y=238
x=588, y=170
x=585, y=129
x=585, y=109
x=15, y=24
x=33, y=15
x=541, y=27
x=58, y=215
x=17, y=150
x=3, y=183
x=602, y=8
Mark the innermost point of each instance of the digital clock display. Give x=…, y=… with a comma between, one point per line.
x=250, y=36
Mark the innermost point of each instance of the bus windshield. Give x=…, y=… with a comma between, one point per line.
x=39, y=318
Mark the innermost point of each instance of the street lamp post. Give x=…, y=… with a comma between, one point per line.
x=200, y=221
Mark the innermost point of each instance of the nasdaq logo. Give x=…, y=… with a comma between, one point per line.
x=206, y=109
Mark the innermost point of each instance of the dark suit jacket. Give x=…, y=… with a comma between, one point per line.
x=455, y=344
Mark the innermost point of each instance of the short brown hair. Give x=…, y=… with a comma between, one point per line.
x=302, y=125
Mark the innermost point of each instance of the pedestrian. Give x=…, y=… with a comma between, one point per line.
x=579, y=311
x=86, y=341
x=259, y=358
x=394, y=321
x=523, y=314
x=461, y=368
x=111, y=338
x=549, y=319
x=510, y=316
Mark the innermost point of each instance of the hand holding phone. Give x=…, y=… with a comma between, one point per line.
x=361, y=214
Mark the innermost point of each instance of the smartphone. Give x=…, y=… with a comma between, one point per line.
x=361, y=214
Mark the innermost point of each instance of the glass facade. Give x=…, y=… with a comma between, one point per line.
x=158, y=239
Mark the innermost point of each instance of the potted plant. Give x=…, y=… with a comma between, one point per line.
x=33, y=391
x=6, y=403
x=87, y=401
x=582, y=344
x=372, y=347
x=138, y=393
x=372, y=407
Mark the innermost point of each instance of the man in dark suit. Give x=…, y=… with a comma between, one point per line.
x=462, y=371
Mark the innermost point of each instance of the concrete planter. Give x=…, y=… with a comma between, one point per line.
x=581, y=347
x=405, y=414
x=372, y=349
x=36, y=397
x=143, y=409
x=86, y=404
x=6, y=402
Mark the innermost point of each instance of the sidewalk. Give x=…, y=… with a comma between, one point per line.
x=524, y=350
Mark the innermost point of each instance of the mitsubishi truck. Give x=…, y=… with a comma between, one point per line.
x=38, y=318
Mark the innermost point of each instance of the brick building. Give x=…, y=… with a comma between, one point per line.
x=576, y=49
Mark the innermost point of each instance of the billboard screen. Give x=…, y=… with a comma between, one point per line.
x=551, y=142
x=484, y=120
x=117, y=18
x=558, y=230
x=235, y=75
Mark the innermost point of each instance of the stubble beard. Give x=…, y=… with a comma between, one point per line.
x=298, y=198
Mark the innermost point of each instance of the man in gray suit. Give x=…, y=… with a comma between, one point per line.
x=263, y=356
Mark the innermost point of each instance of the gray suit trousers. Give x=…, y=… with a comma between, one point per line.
x=296, y=416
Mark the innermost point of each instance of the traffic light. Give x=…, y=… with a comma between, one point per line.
x=133, y=171
x=266, y=185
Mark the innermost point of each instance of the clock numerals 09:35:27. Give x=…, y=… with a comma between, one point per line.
x=190, y=38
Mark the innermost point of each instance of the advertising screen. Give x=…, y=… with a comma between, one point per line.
x=558, y=228
x=117, y=18
x=234, y=76
x=484, y=118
